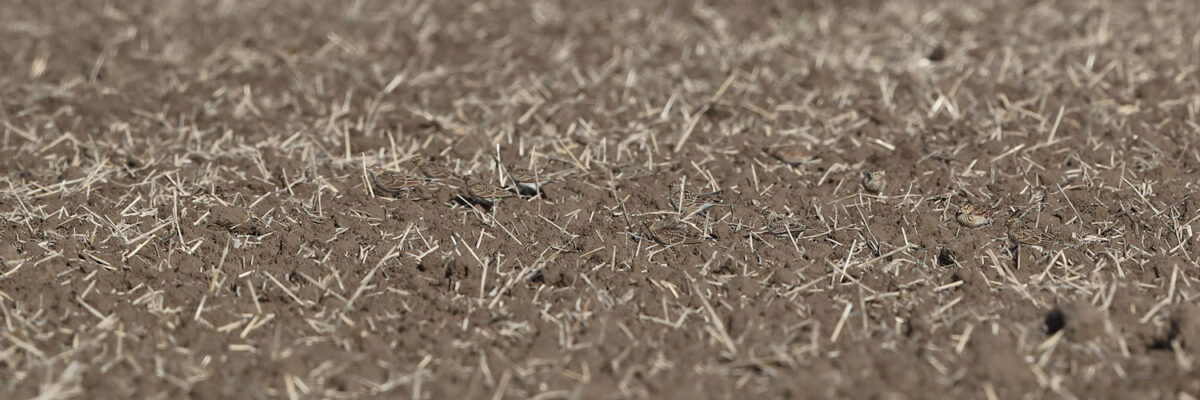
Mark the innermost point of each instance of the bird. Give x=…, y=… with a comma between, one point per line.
x=969, y=217
x=484, y=193
x=529, y=181
x=790, y=154
x=632, y=171
x=874, y=181
x=689, y=203
x=939, y=153
x=672, y=232
x=782, y=225
x=1021, y=234
x=393, y=183
x=433, y=170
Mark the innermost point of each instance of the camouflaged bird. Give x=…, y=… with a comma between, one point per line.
x=673, y=232
x=528, y=181
x=484, y=193
x=689, y=203
x=1020, y=233
x=782, y=225
x=435, y=171
x=874, y=182
x=625, y=171
x=393, y=183
x=969, y=217
x=790, y=154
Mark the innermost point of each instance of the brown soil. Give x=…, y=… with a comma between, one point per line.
x=185, y=212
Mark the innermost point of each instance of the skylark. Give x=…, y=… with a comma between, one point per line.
x=690, y=203
x=393, y=183
x=969, y=217
x=874, y=182
x=790, y=154
x=673, y=232
x=625, y=171
x=782, y=225
x=434, y=170
x=529, y=181
x=484, y=193
x=1020, y=233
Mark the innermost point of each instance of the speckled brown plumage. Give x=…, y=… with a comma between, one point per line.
x=782, y=225
x=393, y=183
x=969, y=217
x=1021, y=234
x=529, y=181
x=672, y=232
x=484, y=193
x=874, y=182
x=790, y=154
x=692, y=202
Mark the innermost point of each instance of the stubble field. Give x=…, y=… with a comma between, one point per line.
x=189, y=208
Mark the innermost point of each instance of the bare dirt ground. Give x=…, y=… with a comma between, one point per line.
x=186, y=208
